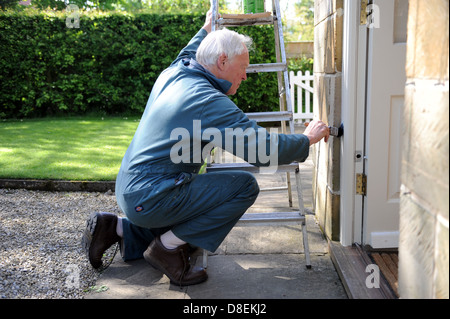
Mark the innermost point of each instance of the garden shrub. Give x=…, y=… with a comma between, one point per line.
x=108, y=64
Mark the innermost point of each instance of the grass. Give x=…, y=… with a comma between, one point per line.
x=73, y=148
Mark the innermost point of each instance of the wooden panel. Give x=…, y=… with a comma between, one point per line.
x=351, y=263
x=352, y=270
x=388, y=264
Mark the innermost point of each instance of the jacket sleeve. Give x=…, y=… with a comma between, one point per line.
x=251, y=142
x=190, y=49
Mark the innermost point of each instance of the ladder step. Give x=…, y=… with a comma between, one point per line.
x=270, y=116
x=217, y=167
x=246, y=19
x=267, y=67
x=271, y=189
x=283, y=217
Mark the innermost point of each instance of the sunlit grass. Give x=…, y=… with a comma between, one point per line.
x=75, y=148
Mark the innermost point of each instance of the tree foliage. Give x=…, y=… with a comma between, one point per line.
x=300, y=25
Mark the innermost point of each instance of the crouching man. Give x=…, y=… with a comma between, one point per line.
x=169, y=207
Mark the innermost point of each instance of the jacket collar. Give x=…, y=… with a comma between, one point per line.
x=220, y=84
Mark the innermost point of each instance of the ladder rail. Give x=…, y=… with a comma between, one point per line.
x=282, y=51
x=215, y=12
x=283, y=91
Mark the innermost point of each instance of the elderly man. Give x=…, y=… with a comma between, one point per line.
x=170, y=208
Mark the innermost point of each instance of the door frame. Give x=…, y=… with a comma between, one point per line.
x=354, y=64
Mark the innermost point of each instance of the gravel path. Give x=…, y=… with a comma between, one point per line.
x=40, y=250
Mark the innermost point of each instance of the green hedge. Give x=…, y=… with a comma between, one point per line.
x=107, y=65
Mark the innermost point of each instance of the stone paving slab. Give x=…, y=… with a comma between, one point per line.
x=240, y=276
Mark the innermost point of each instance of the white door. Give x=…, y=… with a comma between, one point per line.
x=385, y=84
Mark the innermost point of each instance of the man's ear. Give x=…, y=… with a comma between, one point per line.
x=223, y=58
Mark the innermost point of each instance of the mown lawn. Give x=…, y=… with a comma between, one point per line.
x=72, y=148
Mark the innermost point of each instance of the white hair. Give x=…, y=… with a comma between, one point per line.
x=222, y=41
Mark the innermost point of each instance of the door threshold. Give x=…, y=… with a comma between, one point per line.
x=352, y=263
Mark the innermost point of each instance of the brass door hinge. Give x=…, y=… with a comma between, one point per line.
x=363, y=12
x=361, y=184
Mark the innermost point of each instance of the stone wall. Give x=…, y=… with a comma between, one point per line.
x=299, y=49
x=328, y=24
x=424, y=201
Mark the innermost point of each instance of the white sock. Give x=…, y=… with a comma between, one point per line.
x=170, y=241
x=119, y=228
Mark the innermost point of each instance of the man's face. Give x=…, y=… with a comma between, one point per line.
x=235, y=71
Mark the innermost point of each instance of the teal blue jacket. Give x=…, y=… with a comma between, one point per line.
x=187, y=111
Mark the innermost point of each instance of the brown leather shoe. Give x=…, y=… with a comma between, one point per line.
x=174, y=263
x=99, y=235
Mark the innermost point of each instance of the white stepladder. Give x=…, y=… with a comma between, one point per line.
x=285, y=114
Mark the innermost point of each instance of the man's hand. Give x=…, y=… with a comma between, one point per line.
x=208, y=21
x=316, y=130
